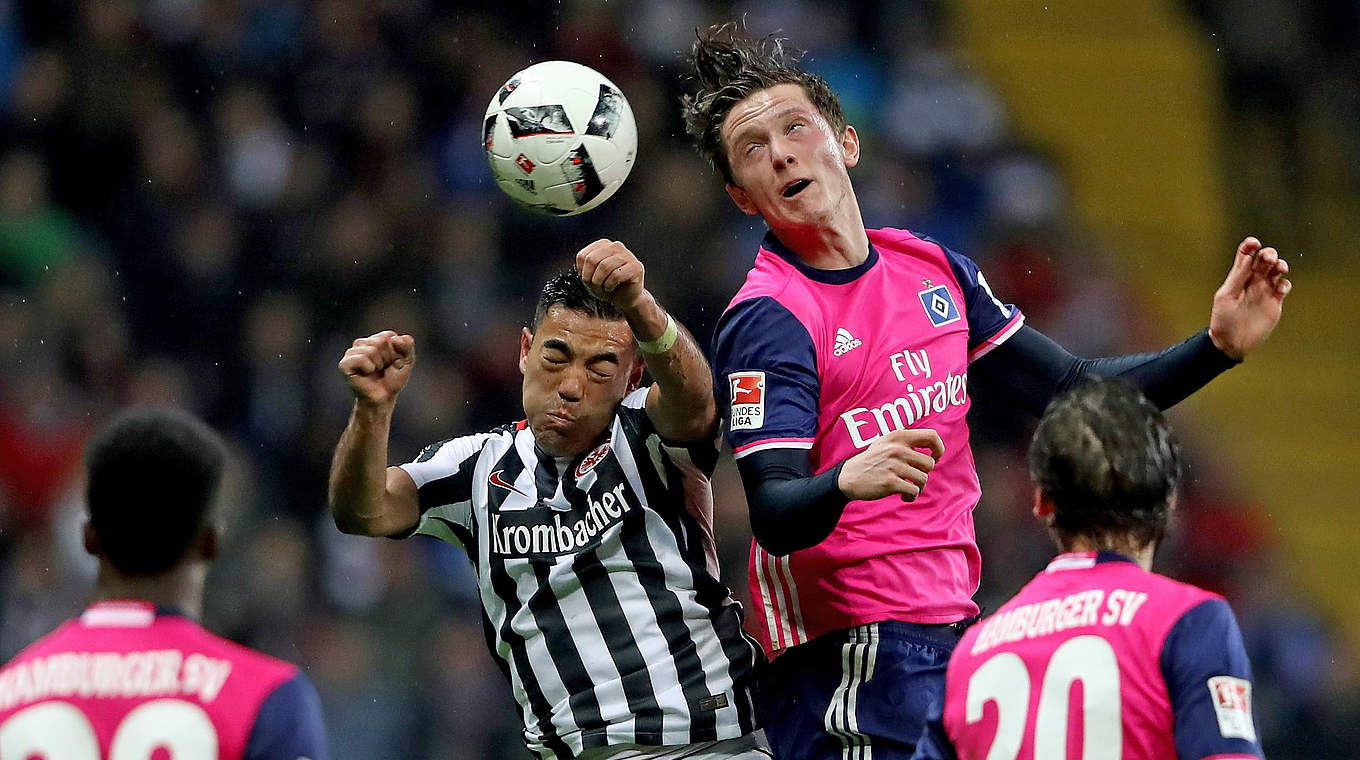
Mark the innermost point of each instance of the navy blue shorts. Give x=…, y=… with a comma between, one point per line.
x=858, y=694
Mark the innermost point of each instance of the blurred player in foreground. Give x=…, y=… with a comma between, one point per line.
x=589, y=524
x=1161, y=665
x=844, y=363
x=134, y=673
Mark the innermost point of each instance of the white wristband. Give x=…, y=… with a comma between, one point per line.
x=664, y=343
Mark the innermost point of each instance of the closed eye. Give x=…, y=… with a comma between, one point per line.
x=603, y=369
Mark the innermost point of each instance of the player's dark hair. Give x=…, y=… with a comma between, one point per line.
x=569, y=290
x=1107, y=460
x=725, y=66
x=151, y=478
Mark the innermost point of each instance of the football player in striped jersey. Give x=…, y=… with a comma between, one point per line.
x=589, y=523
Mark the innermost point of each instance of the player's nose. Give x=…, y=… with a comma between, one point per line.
x=571, y=386
x=781, y=154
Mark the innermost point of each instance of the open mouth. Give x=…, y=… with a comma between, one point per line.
x=796, y=187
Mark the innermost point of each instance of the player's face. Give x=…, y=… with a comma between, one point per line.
x=788, y=164
x=577, y=368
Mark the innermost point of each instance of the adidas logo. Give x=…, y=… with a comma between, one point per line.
x=845, y=342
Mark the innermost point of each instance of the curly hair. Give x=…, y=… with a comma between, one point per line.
x=725, y=66
x=1107, y=460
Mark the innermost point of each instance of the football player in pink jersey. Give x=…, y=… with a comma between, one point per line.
x=1161, y=665
x=134, y=677
x=842, y=365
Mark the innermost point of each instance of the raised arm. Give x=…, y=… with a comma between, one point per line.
x=1246, y=308
x=680, y=403
x=367, y=497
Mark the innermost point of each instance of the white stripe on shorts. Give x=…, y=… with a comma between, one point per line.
x=859, y=654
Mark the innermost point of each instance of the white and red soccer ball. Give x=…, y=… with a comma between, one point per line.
x=560, y=137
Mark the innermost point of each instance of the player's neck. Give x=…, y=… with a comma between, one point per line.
x=1142, y=556
x=180, y=588
x=842, y=244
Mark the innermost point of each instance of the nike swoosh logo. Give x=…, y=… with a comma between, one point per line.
x=496, y=480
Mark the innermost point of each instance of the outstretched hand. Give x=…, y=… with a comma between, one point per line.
x=1248, y=304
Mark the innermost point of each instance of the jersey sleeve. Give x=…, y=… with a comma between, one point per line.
x=765, y=369
x=443, y=474
x=990, y=322
x=289, y=726
x=703, y=455
x=1208, y=679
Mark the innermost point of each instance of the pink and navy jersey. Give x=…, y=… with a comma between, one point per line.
x=125, y=680
x=1096, y=654
x=828, y=361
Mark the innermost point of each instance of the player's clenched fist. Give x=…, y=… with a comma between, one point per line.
x=893, y=464
x=611, y=272
x=378, y=366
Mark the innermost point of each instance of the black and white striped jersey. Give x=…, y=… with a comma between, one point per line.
x=599, y=583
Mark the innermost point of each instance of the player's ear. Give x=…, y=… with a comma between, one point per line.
x=743, y=199
x=89, y=540
x=635, y=374
x=1043, y=508
x=526, y=339
x=850, y=146
x=208, y=543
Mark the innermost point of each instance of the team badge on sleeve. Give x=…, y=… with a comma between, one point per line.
x=747, y=390
x=939, y=305
x=1232, y=705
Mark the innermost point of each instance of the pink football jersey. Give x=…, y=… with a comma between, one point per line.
x=829, y=361
x=123, y=682
x=1098, y=658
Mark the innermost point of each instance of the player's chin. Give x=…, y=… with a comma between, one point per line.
x=552, y=438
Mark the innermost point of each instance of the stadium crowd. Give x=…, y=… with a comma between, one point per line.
x=202, y=202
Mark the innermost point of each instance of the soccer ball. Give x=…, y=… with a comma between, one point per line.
x=560, y=137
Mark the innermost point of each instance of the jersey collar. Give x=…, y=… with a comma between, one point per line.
x=126, y=613
x=827, y=276
x=119, y=613
x=1084, y=560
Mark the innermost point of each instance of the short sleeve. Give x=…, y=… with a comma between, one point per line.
x=701, y=455
x=443, y=474
x=1208, y=679
x=289, y=725
x=990, y=321
x=765, y=369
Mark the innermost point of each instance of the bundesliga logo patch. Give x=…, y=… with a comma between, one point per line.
x=747, y=390
x=939, y=305
x=1232, y=705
